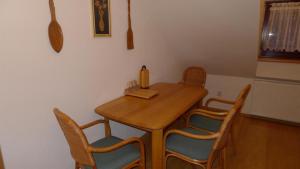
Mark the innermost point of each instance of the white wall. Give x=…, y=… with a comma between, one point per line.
x=88, y=72
x=222, y=36
x=276, y=70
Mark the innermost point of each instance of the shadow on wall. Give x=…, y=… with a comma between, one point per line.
x=1, y=160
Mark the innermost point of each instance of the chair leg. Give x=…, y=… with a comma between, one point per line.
x=222, y=159
x=77, y=165
x=220, y=162
x=232, y=143
x=194, y=167
x=165, y=162
x=200, y=104
x=142, y=165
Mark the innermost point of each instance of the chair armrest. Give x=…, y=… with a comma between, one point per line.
x=224, y=101
x=203, y=111
x=85, y=126
x=207, y=113
x=118, y=145
x=190, y=135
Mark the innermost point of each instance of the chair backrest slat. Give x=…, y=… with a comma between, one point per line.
x=226, y=126
x=194, y=76
x=244, y=93
x=228, y=122
x=75, y=137
x=221, y=141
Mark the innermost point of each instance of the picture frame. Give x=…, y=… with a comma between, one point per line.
x=101, y=18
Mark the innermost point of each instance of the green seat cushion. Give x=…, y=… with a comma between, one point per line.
x=205, y=123
x=116, y=159
x=189, y=147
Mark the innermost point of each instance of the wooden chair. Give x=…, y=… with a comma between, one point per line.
x=209, y=118
x=194, y=76
x=199, y=147
x=106, y=153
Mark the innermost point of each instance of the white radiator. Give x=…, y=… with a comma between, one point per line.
x=277, y=99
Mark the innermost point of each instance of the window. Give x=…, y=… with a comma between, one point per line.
x=281, y=30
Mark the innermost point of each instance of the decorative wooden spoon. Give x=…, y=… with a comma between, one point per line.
x=54, y=30
x=130, y=44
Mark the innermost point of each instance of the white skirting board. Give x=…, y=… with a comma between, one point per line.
x=277, y=99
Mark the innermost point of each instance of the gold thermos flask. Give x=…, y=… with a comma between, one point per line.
x=144, y=77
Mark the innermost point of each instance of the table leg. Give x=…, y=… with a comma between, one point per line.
x=157, y=149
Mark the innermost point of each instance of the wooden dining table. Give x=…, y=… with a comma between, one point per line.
x=154, y=114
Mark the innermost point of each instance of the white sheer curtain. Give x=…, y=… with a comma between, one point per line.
x=282, y=32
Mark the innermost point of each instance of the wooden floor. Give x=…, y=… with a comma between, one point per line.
x=259, y=145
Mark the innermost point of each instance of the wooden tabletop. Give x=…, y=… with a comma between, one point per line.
x=158, y=112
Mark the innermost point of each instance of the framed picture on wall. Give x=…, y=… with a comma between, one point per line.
x=101, y=19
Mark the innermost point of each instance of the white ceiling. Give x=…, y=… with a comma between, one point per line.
x=220, y=35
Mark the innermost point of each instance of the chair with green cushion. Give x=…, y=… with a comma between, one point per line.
x=106, y=153
x=198, y=147
x=209, y=118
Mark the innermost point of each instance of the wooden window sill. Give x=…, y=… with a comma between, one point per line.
x=266, y=59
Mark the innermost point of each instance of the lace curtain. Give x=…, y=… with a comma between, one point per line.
x=282, y=32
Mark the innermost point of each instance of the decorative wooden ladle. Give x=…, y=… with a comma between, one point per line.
x=130, y=44
x=54, y=30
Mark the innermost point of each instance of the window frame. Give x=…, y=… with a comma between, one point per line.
x=271, y=56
